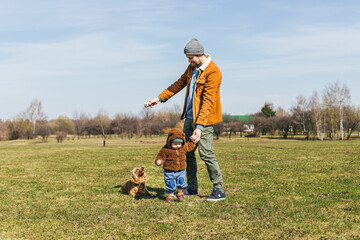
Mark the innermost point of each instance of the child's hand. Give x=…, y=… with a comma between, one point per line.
x=158, y=162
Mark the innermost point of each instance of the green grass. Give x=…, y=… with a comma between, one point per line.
x=276, y=189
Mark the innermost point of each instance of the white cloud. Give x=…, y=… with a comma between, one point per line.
x=311, y=50
x=80, y=14
x=81, y=55
x=48, y=48
x=78, y=69
x=307, y=41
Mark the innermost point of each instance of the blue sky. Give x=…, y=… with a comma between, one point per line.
x=114, y=55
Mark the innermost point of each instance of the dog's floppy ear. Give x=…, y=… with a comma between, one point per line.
x=134, y=175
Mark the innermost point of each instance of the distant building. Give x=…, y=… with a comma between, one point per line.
x=248, y=127
x=242, y=118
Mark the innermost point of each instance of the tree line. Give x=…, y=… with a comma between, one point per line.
x=328, y=115
x=32, y=123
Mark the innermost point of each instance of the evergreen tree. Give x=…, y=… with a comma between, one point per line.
x=267, y=110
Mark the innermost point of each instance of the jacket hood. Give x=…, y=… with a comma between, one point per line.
x=175, y=133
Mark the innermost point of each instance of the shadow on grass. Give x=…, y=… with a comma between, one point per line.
x=296, y=138
x=312, y=138
x=160, y=193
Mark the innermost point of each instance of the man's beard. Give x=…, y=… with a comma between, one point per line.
x=197, y=65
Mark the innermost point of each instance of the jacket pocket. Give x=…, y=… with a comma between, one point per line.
x=201, y=80
x=200, y=84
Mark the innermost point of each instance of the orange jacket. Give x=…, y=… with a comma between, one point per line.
x=206, y=100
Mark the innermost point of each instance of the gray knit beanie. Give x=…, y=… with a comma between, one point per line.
x=194, y=47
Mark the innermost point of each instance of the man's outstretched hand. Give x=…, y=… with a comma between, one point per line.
x=153, y=102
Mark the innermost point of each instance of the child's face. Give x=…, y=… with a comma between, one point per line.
x=176, y=145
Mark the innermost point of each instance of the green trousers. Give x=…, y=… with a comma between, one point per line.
x=206, y=152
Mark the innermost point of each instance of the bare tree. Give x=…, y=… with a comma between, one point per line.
x=116, y=124
x=43, y=129
x=330, y=101
x=318, y=115
x=234, y=127
x=351, y=120
x=34, y=113
x=60, y=136
x=299, y=111
x=147, y=114
x=284, y=124
x=302, y=116
x=218, y=129
x=343, y=100
x=260, y=123
x=3, y=131
x=80, y=119
x=103, y=122
x=177, y=110
x=335, y=98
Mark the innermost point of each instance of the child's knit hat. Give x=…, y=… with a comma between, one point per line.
x=177, y=140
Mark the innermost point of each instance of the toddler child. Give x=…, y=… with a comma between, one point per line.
x=173, y=156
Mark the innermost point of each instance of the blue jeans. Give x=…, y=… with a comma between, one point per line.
x=174, y=180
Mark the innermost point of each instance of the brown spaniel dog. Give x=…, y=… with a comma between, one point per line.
x=135, y=186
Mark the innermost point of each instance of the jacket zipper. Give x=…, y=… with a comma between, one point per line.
x=178, y=160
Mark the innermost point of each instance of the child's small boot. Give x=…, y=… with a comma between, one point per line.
x=180, y=195
x=170, y=197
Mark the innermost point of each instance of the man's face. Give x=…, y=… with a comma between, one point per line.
x=194, y=60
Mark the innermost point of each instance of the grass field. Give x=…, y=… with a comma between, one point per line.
x=276, y=189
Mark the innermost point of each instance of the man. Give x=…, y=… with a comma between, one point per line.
x=202, y=109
